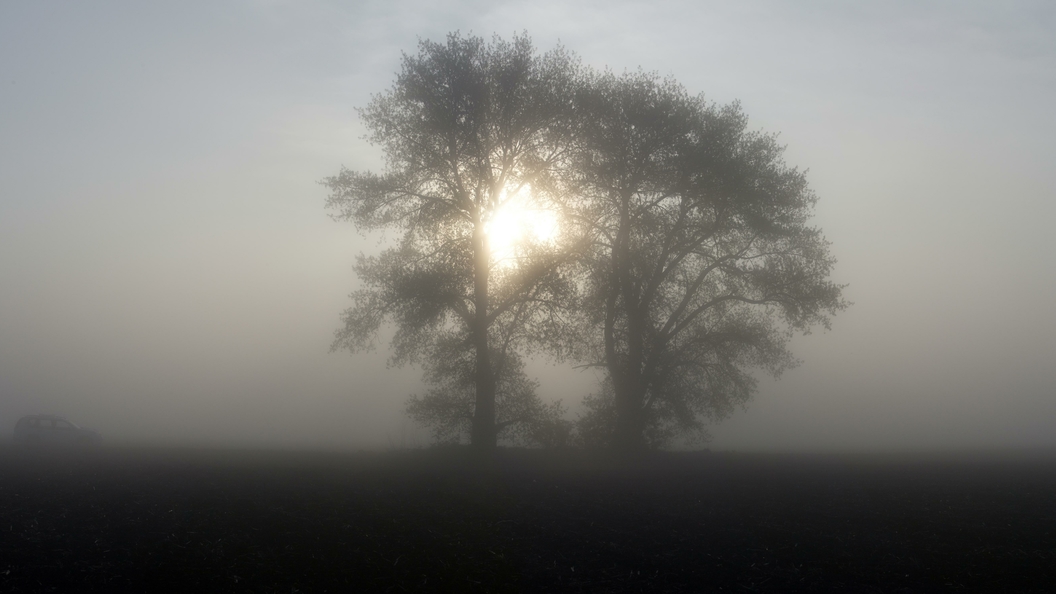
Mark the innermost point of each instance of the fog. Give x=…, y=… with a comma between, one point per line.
x=168, y=273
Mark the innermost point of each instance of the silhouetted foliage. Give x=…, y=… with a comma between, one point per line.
x=684, y=260
x=448, y=407
x=466, y=127
x=702, y=262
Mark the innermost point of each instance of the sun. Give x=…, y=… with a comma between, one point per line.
x=519, y=221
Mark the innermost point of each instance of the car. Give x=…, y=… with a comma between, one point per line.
x=52, y=430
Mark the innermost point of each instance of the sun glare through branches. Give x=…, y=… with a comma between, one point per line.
x=519, y=221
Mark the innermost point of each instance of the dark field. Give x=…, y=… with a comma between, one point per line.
x=524, y=521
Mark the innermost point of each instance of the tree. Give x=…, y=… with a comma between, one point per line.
x=448, y=407
x=467, y=129
x=702, y=263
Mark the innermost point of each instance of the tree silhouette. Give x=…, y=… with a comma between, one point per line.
x=467, y=128
x=683, y=261
x=448, y=407
x=702, y=262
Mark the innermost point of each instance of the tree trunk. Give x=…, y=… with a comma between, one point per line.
x=626, y=372
x=630, y=392
x=483, y=435
x=628, y=435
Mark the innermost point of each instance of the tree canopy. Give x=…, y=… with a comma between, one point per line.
x=680, y=258
x=702, y=262
x=467, y=129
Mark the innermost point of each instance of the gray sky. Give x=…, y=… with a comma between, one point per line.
x=168, y=272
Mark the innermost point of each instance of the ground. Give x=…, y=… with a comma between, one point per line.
x=122, y=519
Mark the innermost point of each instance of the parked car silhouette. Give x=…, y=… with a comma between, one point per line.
x=52, y=430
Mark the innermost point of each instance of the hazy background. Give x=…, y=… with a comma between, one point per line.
x=168, y=272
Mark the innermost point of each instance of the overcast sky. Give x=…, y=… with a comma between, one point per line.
x=168, y=271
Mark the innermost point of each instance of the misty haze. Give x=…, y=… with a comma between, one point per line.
x=622, y=288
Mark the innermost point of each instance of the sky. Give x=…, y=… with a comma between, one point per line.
x=168, y=272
